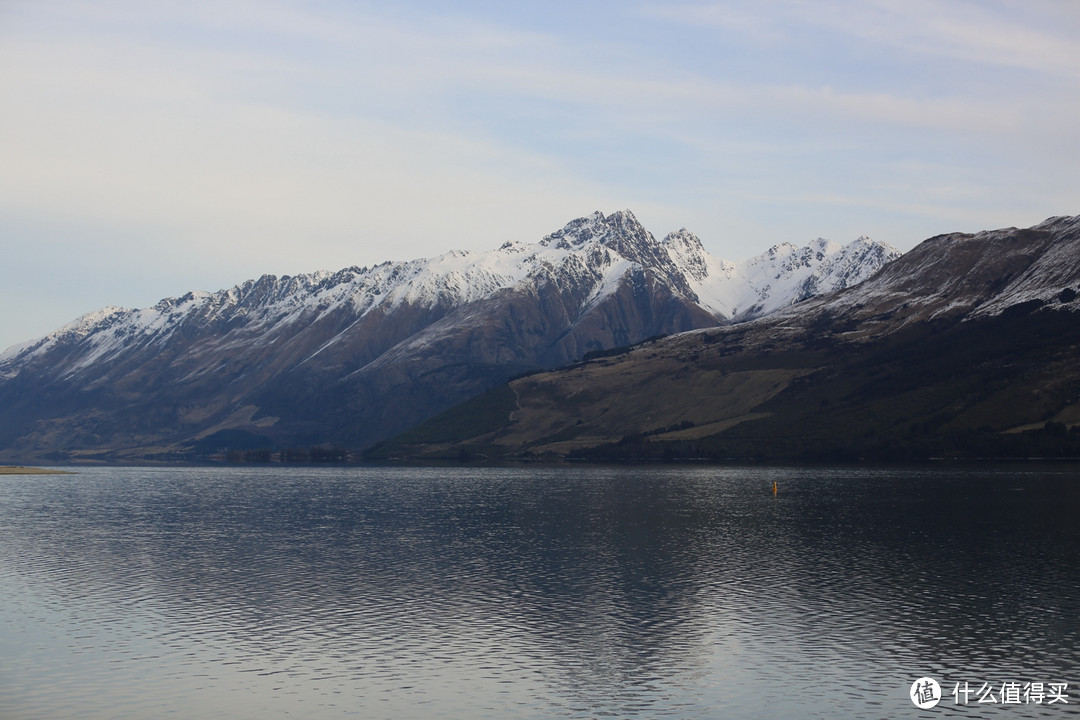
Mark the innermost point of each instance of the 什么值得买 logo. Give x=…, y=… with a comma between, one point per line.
x=925, y=693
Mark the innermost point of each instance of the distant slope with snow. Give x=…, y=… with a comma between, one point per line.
x=354, y=355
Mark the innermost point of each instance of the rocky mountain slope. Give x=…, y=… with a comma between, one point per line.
x=351, y=357
x=967, y=346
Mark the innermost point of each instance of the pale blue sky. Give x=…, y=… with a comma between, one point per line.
x=147, y=149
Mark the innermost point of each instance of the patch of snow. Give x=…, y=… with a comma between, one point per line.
x=783, y=275
x=591, y=255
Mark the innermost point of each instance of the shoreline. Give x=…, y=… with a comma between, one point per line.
x=26, y=470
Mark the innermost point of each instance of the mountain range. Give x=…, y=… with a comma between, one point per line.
x=353, y=357
x=967, y=346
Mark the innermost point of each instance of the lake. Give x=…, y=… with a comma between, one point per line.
x=539, y=592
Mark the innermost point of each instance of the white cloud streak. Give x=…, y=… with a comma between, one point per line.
x=283, y=137
x=990, y=33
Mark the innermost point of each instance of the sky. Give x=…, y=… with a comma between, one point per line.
x=149, y=149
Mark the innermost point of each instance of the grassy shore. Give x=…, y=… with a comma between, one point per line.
x=23, y=470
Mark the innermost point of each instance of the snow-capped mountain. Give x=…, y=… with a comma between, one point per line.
x=778, y=278
x=353, y=355
x=594, y=251
x=962, y=276
x=964, y=347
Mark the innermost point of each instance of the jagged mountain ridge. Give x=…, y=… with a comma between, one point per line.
x=603, y=248
x=956, y=277
x=978, y=275
x=371, y=350
x=966, y=346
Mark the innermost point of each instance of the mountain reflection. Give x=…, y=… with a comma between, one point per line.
x=600, y=583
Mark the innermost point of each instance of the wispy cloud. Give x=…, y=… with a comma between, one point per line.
x=284, y=136
x=1036, y=36
x=996, y=34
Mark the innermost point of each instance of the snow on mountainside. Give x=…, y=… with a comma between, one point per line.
x=355, y=356
x=1051, y=278
x=780, y=277
x=970, y=276
x=595, y=252
x=967, y=346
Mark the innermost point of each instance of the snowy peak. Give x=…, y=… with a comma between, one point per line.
x=589, y=258
x=686, y=251
x=836, y=267
x=619, y=232
x=781, y=276
x=962, y=276
x=355, y=355
x=72, y=333
x=595, y=227
x=630, y=239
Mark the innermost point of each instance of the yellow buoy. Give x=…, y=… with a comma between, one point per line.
x=775, y=489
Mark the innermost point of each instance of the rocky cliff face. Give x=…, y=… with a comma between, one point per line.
x=354, y=356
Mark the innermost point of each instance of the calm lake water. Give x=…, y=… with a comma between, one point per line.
x=566, y=592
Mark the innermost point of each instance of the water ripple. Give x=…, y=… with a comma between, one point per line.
x=560, y=592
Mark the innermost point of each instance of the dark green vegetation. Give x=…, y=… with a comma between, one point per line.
x=242, y=446
x=483, y=414
x=1002, y=387
x=967, y=390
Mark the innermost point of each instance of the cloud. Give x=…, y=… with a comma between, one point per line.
x=983, y=33
x=1034, y=36
x=203, y=145
x=282, y=136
